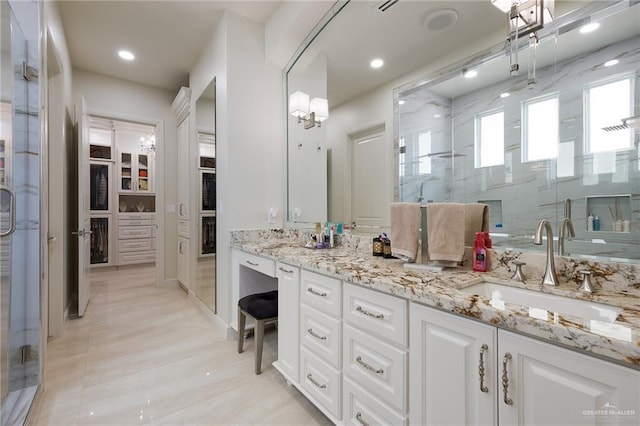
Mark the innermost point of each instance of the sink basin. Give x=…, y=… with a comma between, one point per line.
x=540, y=304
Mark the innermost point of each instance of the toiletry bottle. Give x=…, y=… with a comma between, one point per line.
x=590, y=222
x=596, y=223
x=479, y=253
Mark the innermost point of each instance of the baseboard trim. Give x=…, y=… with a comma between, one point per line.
x=206, y=311
x=169, y=283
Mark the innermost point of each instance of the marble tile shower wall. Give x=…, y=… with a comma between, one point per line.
x=529, y=191
x=25, y=180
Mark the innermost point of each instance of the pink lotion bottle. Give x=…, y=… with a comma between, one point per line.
x=479, y=253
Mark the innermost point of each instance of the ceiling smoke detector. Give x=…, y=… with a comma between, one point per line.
x=440, y=20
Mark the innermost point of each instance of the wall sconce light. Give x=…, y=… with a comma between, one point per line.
x=311, y=113
x=148, y=145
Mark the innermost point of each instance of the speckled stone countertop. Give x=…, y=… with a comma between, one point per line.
x=617, y=284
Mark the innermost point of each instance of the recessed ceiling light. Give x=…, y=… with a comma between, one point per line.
x=505, y=95
x=611, y=63
x=436, y=116
x=470, y=73
x=401, y=102
x=126, y=55
x=377, y=63
x=590, y=27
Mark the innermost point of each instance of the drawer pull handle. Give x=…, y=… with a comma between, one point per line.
x=316, y=335
x=286, y=271
x=252, y=263
x=317, y=293
x=370, y=314
x=368, y=367
x=505, y=379
x=483, y=348
x=312, y=380
x=359, y=419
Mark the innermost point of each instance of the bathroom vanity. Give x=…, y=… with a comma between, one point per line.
x=370, y=343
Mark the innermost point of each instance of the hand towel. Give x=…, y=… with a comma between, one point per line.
x=445, y=231
x=476, y=219
x=405, y=227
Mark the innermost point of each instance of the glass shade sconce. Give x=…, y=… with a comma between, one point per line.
x=309, y=112
x=148, y=145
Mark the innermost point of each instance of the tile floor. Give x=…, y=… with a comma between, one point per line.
x=143, y=355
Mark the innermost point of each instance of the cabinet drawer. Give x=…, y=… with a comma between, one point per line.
x=134, y=222
x=136, y=245
x=136, y=216
x=322, y=293
x=378, y=313
x=359, y=408
x=136, y=257
x=321, y=334
x=321, y=381
x=257, y=263
x=129, y=232
x=183, y=228
x=377, y=366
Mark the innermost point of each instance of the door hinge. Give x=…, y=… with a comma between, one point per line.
x=29, y=73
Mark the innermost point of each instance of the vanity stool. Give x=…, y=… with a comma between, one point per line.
x=263, y=308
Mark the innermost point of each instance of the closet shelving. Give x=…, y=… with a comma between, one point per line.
x=207, y=171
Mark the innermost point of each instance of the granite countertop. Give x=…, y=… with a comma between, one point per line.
x=617, y=341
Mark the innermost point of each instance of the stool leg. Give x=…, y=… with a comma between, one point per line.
x=241, y=322
x=259, y=338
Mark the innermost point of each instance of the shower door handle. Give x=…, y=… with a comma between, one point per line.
x=12, y=212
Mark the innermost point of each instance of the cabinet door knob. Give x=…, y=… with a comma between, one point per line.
x=369, y=314
x=315, y=382
x=360, y=420
x=369, y=367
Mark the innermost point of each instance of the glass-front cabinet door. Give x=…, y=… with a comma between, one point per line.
x=135, y=173
x=99, y=184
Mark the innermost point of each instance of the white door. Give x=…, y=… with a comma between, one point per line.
x=370, y=188
x=84, y=226
x=447, y=386
x=548, y=385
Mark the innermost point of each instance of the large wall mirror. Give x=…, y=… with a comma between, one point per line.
x=547, y=143
x=206, y=201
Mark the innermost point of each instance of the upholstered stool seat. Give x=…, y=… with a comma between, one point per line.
x=263, y=308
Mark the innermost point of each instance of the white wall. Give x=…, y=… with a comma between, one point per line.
x=124, y=99
x=368, y=110
x=249, y=165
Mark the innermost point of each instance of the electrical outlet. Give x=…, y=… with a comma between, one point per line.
x=271, y=215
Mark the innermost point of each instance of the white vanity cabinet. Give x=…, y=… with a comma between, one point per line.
x=548, y=385
x=446, y=383
x=288, y=362
x=321, y=341
x=375, y=358
x=465, y=372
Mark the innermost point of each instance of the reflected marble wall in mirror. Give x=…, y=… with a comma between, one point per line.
x=206, y=151
x=439, y=159
x=525, y=146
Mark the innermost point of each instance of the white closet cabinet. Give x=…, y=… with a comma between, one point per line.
x=464, y=372
x=288, y=320
x=183, y=170
x=183, y=261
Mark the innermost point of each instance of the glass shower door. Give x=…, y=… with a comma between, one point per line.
x=20, y=198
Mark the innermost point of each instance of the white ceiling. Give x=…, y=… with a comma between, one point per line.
x=167, y=37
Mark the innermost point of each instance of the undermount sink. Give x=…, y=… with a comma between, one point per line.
x=540, y=303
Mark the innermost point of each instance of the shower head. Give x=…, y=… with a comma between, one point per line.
x=627, y=123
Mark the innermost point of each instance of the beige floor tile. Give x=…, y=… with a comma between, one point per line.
x=143, y=355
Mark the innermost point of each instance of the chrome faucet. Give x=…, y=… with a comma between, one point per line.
x=565, y=226
x=550, y=277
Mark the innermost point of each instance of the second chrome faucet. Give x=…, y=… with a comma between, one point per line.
x=550, y=277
